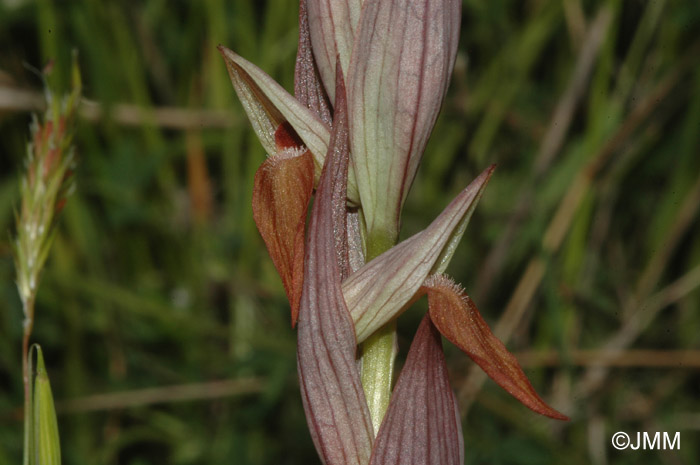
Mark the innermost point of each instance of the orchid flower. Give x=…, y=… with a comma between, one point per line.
x=370, y=78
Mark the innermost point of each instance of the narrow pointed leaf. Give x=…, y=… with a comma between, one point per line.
x=334, y=402
x=332, y=24
x=457, y=318
x=401, y=62
x=308, y=88
x=422, y=425
x=380, y=290
x=268, y=106
x=46, y=444
x=281, y=192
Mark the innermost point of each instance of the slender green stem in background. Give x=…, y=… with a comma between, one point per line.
x=26, y=375
x=44, y=189
x=379, y=350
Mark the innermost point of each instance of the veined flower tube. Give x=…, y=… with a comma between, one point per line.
x=401, y=63
x=333, y=25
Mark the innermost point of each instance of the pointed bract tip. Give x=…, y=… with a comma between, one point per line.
x=488, y=172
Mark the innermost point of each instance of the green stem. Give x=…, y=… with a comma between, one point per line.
x=379, y=350
x=26, y=375
x=377, y=371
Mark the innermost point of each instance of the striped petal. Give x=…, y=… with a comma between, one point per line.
x=401, y=62
x=457, y=318
x=422, y=425
x=383, y=287
x=332, y=394
x=268, y=105
x=332, y=24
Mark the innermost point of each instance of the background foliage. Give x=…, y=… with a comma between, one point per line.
x=165, y=327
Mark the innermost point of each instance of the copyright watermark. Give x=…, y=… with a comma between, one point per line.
x=646, y=441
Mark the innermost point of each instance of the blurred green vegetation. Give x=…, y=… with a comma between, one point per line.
x=585, y=245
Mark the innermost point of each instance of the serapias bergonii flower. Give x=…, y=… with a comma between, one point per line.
x=359, y=146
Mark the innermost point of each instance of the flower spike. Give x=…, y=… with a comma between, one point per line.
x=457, y=318
x=345, y=272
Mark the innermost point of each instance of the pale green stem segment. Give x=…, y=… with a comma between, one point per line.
x=378, y=353
x=379, y=350
x=26, y=375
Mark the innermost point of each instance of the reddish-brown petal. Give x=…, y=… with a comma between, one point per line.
x=422, y=425
x=331, y=391
x=458, y=319
x=281, y=193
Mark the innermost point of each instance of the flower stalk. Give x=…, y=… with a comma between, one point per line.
x=379, y=350
x=378, y=355
x=44, y=189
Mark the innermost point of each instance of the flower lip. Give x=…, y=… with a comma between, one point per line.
x=282, y=191
x=286, y=138
x=456, y=316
